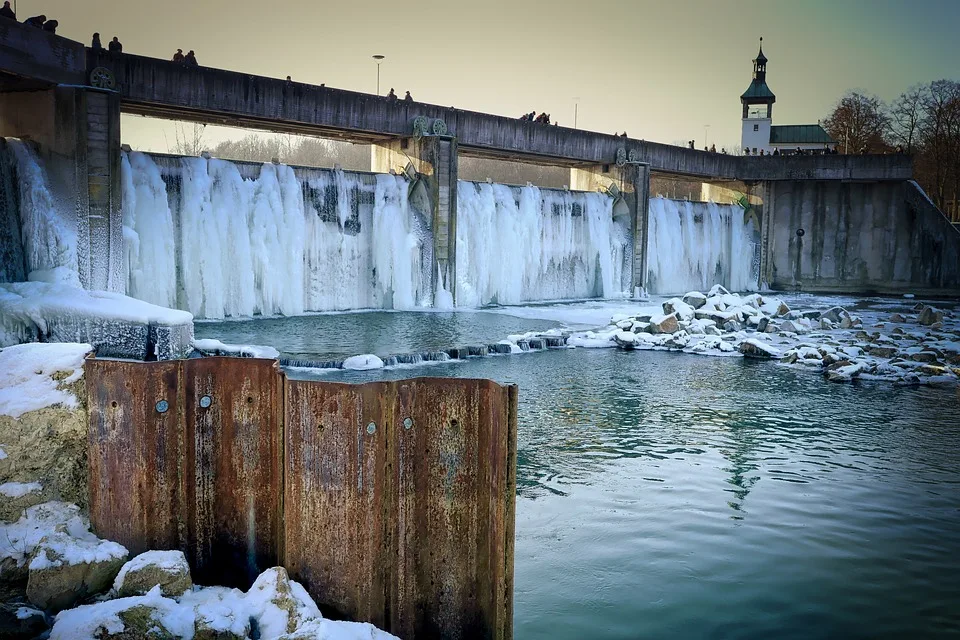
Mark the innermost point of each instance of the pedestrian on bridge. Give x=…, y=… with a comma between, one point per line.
x=114, y=46
x=35, y=21
x=178, y=56
x=408, y=97
x=191, y=59
x=95, y=45
x=7, y=12
x=51, y=26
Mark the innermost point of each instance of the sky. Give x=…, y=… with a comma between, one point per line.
x=657, y=70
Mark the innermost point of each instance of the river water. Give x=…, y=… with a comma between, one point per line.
x=670, y=495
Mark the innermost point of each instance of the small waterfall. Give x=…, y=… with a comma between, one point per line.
x=48, y=233
x=694, y=245
x=521, y=244
x=12, y=260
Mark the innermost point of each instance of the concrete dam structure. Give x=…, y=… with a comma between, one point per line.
x=827, y=223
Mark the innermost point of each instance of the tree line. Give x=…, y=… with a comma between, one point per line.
x=923, y=121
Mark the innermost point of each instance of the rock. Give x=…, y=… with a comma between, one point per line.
x=712, y=330
x=846, y=372
x=924, y=356
x=17, y=497
x=897, y=317
x=752, y=348
x=810, y=315
x=280, y=604
x=790, y=357
x=717, y=290
x=847, y=321
x=167, y=569
x=934, y=370
x=625, y=324
x=65, y=570
x=936, y=326
x=930, y=315
x=642, y=318
x=732, y=326
x=640, y=327
x=678, y=307
x=833, y=314
x=695, y=299
x=18, y=621
x=664, y=324
x=826, y=324
x=783, y=309
x=762, y=324
x=882, y=352
x=626, y=340
x=792, y=326
x=148, y=617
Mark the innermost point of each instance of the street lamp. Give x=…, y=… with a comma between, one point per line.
x=576, y=109
x=379, y=59
x=705, y=127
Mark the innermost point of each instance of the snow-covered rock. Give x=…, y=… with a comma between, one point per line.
x=19, y=621
x=753, y=348
x=147, y=616
x=664, y=324
x=33, y=376
x=930, y=315
x=678, y=307
x=363, y=362
x=213, y=347
x=626, y=339
x=66, y=569
x=167, y=569
x=695, y=299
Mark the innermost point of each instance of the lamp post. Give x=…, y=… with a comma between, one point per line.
x=705, y=142
x=379, y=58
x=576, y=109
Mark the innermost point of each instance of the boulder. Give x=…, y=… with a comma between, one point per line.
x=717, y=290
x=678, y=307
x=934, y=370
x=147, y=617
x=280, y=605
x=65, y=570
x=762, y=324
x=833, y=314
x=882, y=352
x=924, y=356
x=897, y=317
x=17, y=497
x=792, y=326
x=626, y=339
x=712, y=330
x=783, y=309
x=752, y=348
x=664, y=324
x=936, y=326
x=18, y=621
x=167, y=569
x=930, y=315
x=695, y=299
x=732, y=326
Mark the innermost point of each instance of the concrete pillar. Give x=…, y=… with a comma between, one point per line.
x=435, y=160
x=633, y=182
x=768, y=191
x=104, y=219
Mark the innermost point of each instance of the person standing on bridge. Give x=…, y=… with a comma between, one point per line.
x=95, y=45
x=178, y=56
x=115, y=46
x=35, y=21
x=7, y=12
x=408, y=97
x=51, y=26
x=191, y=59
x=392, y=96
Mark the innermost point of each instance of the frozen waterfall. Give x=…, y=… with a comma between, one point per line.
x=221, y=239
x=694, y=245
x=521, y=244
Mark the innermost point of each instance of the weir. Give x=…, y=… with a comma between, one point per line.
x=72, y=115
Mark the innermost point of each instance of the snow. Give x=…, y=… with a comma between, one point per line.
x=19, y=539
x=58, y=549
x=172, y=561
x=209, y=345
x=19, y=489
x=89, y=622
x=363, y=362
x=25, y=376
x=220, y=609
x=29, y=308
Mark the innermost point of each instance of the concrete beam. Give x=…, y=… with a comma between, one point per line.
x=31, y=58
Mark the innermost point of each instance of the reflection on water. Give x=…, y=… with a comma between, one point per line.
x=664, y=495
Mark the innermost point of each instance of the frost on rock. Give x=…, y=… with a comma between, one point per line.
x=114, y=324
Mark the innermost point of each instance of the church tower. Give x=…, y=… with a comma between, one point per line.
x=757, y=103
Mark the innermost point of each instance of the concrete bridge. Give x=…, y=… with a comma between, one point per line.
x=69, y=99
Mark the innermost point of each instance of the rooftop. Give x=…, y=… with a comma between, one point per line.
x=800, y=134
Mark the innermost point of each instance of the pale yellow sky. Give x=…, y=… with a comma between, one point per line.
x=659, y=70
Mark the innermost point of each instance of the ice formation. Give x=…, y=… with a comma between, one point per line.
x=520, y=244
x=692, y=245
x=49, y=234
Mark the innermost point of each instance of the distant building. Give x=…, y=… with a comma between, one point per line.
x=759, y=132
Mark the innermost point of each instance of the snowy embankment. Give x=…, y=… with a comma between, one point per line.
x=58, y=578
x=922, y=348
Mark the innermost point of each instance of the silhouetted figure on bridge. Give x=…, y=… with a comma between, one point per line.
x=7, y=12
x=35, y=21
x=51, y=26
x=392, y=96
x=776, y=152
x=690, y=144
x=95, y=45
x=408, y=97
x=624, y=135
x=713, y=148
x=191, y=59
x=178, y=56
x=114, y=46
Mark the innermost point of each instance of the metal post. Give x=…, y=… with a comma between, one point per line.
x=379, y=58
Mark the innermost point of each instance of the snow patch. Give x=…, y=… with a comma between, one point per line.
x=26, y=370
x=19, y=489
x=363, y=362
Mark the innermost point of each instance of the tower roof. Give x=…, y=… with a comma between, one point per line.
x=758, y=91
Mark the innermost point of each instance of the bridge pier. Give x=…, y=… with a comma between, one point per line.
x=632, y=190
x=435, y=160
x=77, y=135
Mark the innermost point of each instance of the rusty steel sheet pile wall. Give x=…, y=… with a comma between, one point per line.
x=393, y=502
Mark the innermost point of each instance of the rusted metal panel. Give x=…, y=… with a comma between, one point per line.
x=337, y=533
x=233, y=474
x=135, y=449
x=454, y=509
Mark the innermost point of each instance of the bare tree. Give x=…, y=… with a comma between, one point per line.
x=858, y=123
x=189, y=139
x=940, y=131
x=906, y=117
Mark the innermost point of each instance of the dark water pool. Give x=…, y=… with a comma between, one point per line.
x=668, y=495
